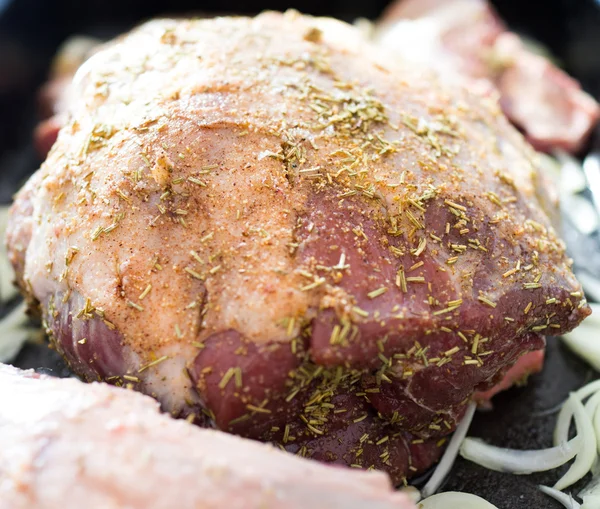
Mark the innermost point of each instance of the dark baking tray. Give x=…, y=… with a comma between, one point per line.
x=30, y=32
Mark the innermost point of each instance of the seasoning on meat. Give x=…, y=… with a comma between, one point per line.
x=315, y=243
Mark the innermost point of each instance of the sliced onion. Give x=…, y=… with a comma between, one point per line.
x=591, y=494
x=7, y=288
x=14, y=333
x=564, y=498
x=591, y=487
x=563, y=422
x=572, y=177
x=581, y=212
x=455, y=500
x=592, y=407
x=587, y=453
x=590, y=284
x=584, y=339
x=450, y=454
x=596, y=466
x=411, y=492
x=514, y=461
x=591, y=501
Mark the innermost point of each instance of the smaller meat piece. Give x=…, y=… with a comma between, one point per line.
x=55, y=94
x=465, y=39
x=68, y=445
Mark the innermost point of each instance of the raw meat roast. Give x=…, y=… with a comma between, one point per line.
x=279, y=230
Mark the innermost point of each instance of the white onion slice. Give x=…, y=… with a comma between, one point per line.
x=14, y=333
x=596, y=466
x=572, y=177
x=591, y=501
x=7, y=288
x=564, y=498
x=587, y=453
x=514, y=461
x=411, y=492
x=450, y=454
x=563, y=422
x=592, y=486
x=592, y=407
x=581, y=212
x=591, y=494
x=455, y=500
x=584, y=339
x=590, y=284
x=589, y=389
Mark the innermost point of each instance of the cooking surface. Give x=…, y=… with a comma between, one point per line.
x=522, y=417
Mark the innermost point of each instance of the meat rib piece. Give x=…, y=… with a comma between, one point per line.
x=69, y=445
x=465, y=39
x=274, y=228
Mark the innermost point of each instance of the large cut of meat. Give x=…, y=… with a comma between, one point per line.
x=67, y=445
x=466, y=40
x=277, y=229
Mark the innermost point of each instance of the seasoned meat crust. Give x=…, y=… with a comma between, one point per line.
x=67, y=445
x=274, y=227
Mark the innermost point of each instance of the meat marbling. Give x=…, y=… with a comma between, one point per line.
x=68, y=445
x=277, y=229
